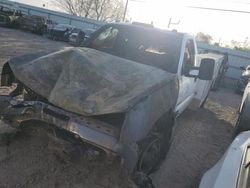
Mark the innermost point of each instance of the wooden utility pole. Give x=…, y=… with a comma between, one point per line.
x=125, y=10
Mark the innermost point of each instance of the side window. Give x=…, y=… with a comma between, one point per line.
x=189, y=57
x=106, y=39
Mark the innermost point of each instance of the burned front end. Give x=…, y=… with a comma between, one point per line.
x=106, y=101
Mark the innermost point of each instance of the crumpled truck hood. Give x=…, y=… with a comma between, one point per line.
x=88, y=82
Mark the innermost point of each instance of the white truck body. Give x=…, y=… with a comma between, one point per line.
x=193, y=90
x=187, y=85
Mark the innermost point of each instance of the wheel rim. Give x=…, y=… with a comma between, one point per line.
x=150, y=156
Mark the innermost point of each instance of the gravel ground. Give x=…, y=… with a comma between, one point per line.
x=201, y=137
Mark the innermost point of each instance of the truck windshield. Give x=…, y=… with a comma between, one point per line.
x=153, y=47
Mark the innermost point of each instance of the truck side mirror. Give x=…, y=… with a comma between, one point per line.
x=206, y=70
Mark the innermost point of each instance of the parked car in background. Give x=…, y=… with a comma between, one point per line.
x=9, y=16
x=50, y=24
x=74, y=36
x=233, y=169
x=33, y=23
x=77, y=36
x=61, y=32
x=243, y=122
x=243, y=80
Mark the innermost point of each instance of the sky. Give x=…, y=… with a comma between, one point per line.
x=222, y=26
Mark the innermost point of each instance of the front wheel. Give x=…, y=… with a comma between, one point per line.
x=154, y=148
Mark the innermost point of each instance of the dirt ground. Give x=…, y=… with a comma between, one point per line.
x=201, y=138
x=14, y=43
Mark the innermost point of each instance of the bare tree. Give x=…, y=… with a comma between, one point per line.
x=87, y=6
x=116, y=13
x=99, y=6
x=75, y=7
x=105, y=10
x=108, y=10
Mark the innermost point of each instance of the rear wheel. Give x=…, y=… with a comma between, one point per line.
x=204, y=101
x=243, y=121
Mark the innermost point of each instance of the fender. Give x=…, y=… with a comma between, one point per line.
x=142, y=118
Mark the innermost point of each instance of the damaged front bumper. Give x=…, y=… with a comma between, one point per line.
x=14, y=112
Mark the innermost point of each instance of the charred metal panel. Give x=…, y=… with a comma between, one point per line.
x=141, y=119
x=89, y=82
x=143, y=116
x=88, y=130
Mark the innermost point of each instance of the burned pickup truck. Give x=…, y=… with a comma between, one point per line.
x=120, y=92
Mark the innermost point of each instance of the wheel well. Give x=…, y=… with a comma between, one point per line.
x=167, y=119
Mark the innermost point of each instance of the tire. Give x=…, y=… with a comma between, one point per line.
x=204, y=101
x=142, y=180
x=154, y=148
x=243, y=121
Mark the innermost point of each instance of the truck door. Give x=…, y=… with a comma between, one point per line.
x=186, y=84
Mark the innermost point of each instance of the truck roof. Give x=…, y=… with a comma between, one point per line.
x=149, y=28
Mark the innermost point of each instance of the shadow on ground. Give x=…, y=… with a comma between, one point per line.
x=201, y=138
